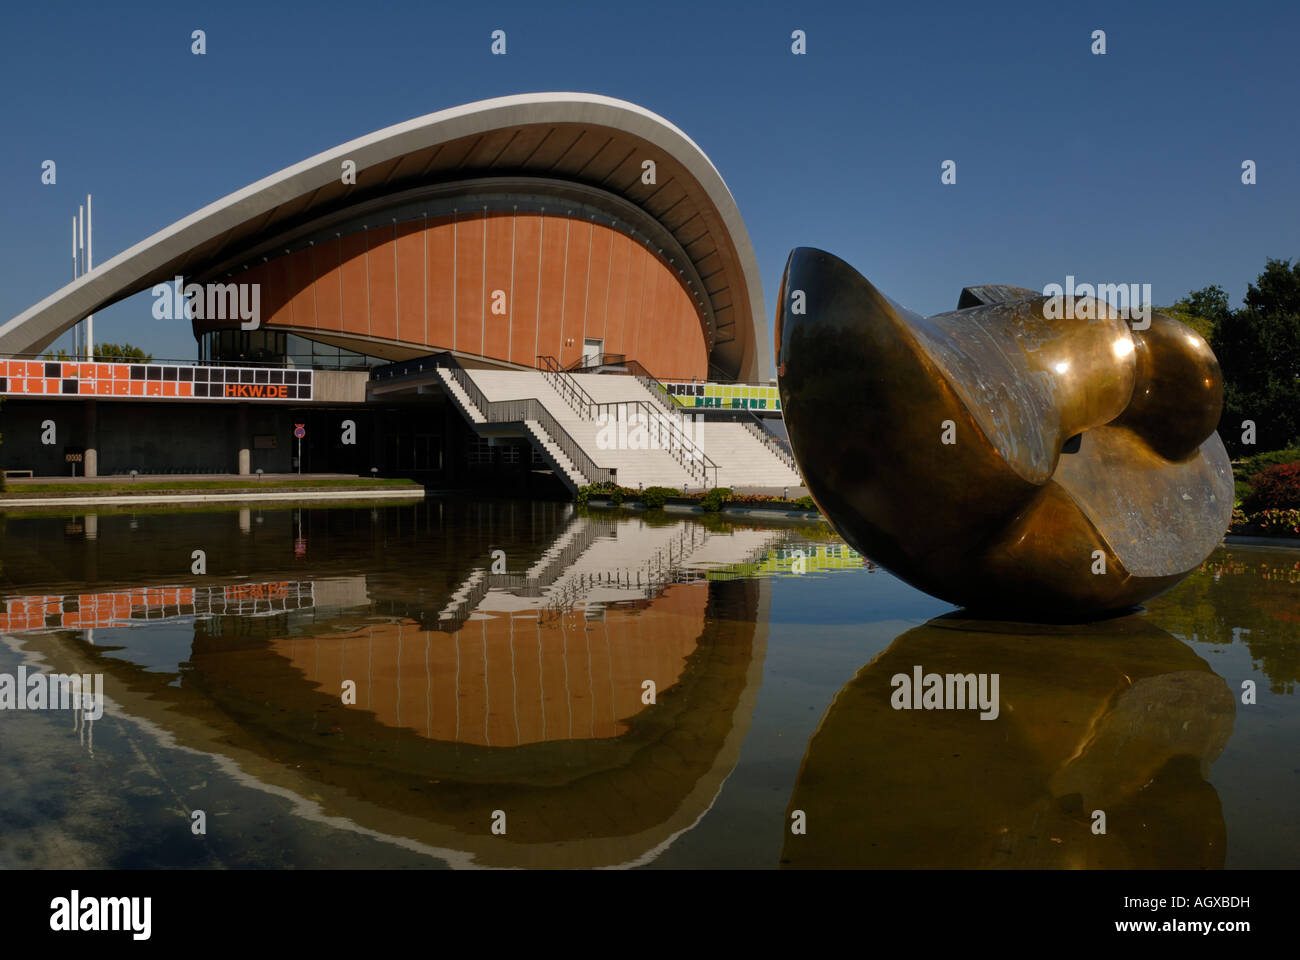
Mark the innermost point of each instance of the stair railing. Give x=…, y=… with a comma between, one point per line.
x=665, y=434
x=521, y=411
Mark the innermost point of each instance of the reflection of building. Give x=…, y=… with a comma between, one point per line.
x=536, y=709
x=122, y=608
x=561, y=651
x=512, y=679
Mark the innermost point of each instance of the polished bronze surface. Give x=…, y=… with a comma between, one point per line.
x=1001, y=456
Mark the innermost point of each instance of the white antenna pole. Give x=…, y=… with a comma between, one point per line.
x=81, y=269
x=74, y=250
x=90, y=265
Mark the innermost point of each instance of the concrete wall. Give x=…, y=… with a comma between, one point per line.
x=169, y=437
x=340, y=386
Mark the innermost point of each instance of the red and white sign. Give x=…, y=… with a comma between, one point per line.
x=151, y=381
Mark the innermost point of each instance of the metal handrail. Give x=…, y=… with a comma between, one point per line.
x=598, y=360
x=750, y=421
x=774, y=444
x=521, y=411
x=682, y=449
x=747, y=417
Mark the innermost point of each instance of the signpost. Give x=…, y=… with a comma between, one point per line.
x=300, y=431
x=74, y=456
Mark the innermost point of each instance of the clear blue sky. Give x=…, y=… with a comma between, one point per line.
x=1123, y=168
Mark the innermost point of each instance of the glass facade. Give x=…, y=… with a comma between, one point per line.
x=279, y=348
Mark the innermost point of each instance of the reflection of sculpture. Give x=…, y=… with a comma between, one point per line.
x=999, y=458
x=1116, y=716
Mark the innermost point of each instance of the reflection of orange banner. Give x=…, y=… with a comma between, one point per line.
x=257, y=591
x=127, y=607
x=507, y=680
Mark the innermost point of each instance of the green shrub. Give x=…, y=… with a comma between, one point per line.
x=806, y=503
x=1261, y=461
x=656, y=497
x=1274, y=488
x=715, y=499
x=616, y=496
x=595, y=490
x=1279, y=523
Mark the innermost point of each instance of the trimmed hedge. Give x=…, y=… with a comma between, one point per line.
x=715, y=499
x=1250, y=466
x=656, y=497
x=712, y=502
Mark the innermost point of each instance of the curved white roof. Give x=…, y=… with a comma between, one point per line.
x=690, y=199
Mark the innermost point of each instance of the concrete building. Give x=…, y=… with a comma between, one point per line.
x=538, y=232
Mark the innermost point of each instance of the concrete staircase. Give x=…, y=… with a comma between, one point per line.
x=645, y=468
x=553, y=420
x=743, y=459
x=542, y=439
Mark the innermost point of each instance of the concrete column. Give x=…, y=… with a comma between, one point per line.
x=376, y=447
x=242, y=440
x=91, y=460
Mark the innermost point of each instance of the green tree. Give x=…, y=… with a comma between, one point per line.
x=1258, y=348
x=121, y=351
x=1200, y=309
x=106, y=353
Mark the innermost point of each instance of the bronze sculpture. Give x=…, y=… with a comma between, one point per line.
x=997, y=456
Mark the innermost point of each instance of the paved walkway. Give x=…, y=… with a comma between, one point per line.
x=178, y=478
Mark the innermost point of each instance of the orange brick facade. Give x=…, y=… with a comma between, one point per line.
x=432, y=284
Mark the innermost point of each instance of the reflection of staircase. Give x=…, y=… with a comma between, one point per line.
x=596, y=562
x=648, y=578
x=561, y=557
x=462, y=603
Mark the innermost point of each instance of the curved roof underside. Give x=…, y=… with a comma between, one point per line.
x=588, y=139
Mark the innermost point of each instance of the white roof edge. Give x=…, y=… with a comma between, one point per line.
x=39, y=325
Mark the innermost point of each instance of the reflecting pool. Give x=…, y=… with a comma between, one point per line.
x=488, y=683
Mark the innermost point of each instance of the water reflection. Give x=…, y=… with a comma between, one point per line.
x=598, y=695
x=1118, y=717
x=607, y=681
